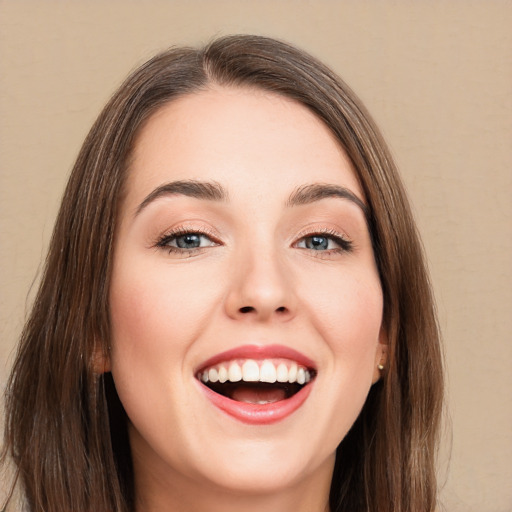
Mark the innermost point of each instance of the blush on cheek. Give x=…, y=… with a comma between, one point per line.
x=131, y=316
x=159, y=314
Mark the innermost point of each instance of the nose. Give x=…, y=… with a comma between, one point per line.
x=261, y=289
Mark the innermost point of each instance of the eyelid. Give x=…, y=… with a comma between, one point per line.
x=183, y=229
x=322, y=230
x=346, y=243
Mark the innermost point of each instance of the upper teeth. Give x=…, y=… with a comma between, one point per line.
x=251, y=370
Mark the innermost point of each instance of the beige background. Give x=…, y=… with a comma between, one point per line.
x=436, y=75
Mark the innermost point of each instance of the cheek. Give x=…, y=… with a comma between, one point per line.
x=156, y=315
x=139, y=326
x=152, y=307
x=141, y=334
x=346, y=310
x=346, y=307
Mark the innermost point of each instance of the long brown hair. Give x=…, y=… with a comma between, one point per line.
x=65, y=428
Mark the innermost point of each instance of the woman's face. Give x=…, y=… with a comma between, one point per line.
x=242, y=255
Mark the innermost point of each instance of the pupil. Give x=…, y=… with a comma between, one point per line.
x=188, y=241
x=317, y=242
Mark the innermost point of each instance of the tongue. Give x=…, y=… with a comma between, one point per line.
x=252, y=395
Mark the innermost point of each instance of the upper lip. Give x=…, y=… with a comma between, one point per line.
x=259, y=352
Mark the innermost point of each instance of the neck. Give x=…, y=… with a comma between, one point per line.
x=232, y=502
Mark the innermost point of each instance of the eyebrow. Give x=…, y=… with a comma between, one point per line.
x=308, y=194
x=210, y=191
x=213, y=191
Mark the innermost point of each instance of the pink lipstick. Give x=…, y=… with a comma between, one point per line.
x=257, y=384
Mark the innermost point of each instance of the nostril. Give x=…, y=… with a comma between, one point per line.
x=250, y=309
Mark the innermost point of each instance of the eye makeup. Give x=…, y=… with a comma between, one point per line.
x=186, y=241
x=324, y=240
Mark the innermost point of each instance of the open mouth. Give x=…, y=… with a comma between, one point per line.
x=256, y=381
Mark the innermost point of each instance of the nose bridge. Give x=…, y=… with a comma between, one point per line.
x=261, y=286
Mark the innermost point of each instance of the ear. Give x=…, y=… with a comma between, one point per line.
x=100, y=359
x=381, y=355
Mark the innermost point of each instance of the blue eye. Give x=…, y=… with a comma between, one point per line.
x=188, y=241
x=185, y=241
x=317, y=243
x=324, y=243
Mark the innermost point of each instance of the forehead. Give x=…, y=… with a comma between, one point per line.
x=241, y=138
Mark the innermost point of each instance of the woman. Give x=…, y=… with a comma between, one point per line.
x=235, y=312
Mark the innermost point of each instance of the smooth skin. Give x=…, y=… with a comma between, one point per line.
x=195, y=276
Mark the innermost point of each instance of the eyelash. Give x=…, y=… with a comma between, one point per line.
x=345, y=245
x=164, y=240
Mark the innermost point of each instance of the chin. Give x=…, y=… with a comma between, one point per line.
x=262, y=462
x=263, y=472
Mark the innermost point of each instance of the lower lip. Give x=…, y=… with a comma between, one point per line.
x=258, y=414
